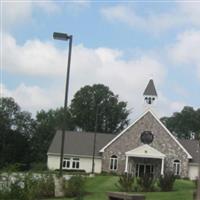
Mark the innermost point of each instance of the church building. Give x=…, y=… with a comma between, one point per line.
x=145, y=147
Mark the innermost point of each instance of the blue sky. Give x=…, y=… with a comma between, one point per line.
x=121, y=44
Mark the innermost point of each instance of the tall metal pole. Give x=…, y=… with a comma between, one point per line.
x=198, y=180
x=95, y=136
x=65, y=103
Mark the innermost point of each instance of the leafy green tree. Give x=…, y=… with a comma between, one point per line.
x=16, y=131
x=47, y=124
x=184, y=124
x=98, y=102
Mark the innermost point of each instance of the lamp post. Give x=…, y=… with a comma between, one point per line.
x=198, y=179
x=64, y=37
x=95, y=136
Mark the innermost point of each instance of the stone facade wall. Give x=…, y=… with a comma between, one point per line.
x=163, y=142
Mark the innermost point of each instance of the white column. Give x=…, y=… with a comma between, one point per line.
x=162, y=166
x=126, y=166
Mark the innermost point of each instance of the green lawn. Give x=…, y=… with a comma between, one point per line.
x=99, y=185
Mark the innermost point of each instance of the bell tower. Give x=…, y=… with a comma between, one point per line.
x=150, y=93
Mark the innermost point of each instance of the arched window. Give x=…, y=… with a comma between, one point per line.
x=177, y=167
x=113, y=162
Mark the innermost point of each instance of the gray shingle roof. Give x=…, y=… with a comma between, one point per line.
x=79, y=143
x=150, y=89
x=192, y=147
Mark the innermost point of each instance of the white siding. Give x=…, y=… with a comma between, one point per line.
x=193, y=171
x=53, y=163
x=86, y=164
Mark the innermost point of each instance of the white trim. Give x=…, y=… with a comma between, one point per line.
x=71, y=161
x=145, y=151
x=176, y=164
x=147, y=156
x=126, y=166
x=162, y=166
x=73, y=155
x=114, y=160
x=149, y=110
x=66, y=160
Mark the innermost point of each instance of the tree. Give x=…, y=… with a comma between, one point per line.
x=97, y=101
x=47, y=124
x=16, y=131
x=184, y=124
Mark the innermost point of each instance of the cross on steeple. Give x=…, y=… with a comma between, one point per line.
x=150, y=93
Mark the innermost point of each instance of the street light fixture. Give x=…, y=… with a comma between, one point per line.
x=60, y=36
x=65, y=37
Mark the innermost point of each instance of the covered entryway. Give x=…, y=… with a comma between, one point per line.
x=144, y=169
x=144, y=160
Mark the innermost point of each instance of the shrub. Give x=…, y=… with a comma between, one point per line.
x=196, y=182
x=10, y=187
x=146, y=183
x=46, y=187
x=11, y=168
x=166, y=182
x=29, y=187
x=125, y=183
x=38, y=166
x=26, y=187
x=18, y=187
x=16, y=167
x=76, y=187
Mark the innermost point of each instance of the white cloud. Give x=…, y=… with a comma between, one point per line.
x=165, y=107
x=33, y=58
x=182, y=14
x=186, y=50
x=191, y=10
x=16, y=12
x=20, y=12
x=155, y=23
x=34, y=98
x=128, y=78
x=122, y=14
x=13, y=12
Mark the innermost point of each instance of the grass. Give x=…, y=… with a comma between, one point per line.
x=99, y=185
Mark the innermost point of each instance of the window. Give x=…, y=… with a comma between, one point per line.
x=147, y=137
x=71, y=163
x=176, y=167
x=144, y=169
x=113, y=162
x=66, y=163
x=75, y=163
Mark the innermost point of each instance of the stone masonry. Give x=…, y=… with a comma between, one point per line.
x=130, y=140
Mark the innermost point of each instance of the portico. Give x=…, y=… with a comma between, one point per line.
x=144, y=160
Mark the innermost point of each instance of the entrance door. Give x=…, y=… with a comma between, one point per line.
x=144, y=169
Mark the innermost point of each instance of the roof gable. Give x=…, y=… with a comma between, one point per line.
x=160, y=123
x=145, y=151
